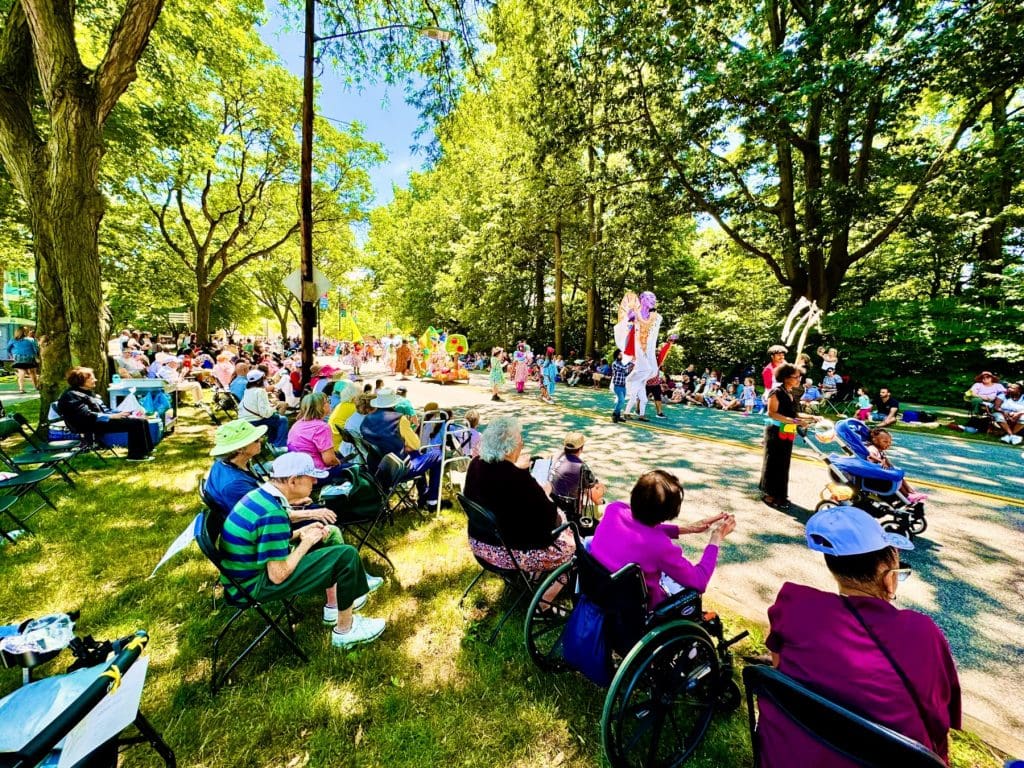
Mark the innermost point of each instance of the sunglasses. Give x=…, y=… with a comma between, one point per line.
x=903, y=572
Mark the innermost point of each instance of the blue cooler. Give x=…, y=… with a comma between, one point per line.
x=120, y=439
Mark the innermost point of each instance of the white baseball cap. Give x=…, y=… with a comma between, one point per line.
x=295, y=464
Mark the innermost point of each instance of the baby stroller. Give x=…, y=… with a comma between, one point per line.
x=862, y=483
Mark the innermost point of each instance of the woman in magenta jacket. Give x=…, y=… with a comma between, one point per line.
x=638, y=533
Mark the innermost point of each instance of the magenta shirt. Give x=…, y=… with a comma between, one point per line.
x=310, y=437
x=620, y=540
x=822, y=645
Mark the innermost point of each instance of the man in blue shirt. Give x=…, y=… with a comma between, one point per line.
x=619, y=374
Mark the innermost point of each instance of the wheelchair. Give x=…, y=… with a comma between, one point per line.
x=673, y=665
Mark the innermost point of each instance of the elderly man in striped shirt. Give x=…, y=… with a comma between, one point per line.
x=272, y=562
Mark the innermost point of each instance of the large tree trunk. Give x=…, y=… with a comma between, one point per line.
x=538, y=290
x=591, y=260
x=204, y=296
x=990, y=261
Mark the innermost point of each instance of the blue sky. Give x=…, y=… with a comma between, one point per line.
x=388, y=120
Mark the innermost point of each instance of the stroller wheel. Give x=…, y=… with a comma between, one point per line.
x=918, y=525
x=896, y=526
x=825, y=504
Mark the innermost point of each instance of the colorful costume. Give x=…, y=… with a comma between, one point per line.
x=636, y=334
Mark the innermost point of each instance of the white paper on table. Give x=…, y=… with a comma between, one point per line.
x=541, y=470
x=184, y=539
x=115, y=712
x=129, y=405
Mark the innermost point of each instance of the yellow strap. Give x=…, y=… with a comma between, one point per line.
x=114, y=674
x=138, y=642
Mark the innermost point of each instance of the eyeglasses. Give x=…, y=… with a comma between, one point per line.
x=903, y=572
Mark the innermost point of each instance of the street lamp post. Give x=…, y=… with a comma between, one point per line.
x=309, y=290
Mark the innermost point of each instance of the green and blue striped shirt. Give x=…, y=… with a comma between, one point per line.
x=256, y=532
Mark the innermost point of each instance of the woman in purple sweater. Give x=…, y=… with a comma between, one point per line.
x=638, y=533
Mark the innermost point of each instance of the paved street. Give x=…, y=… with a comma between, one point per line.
x=968, y=573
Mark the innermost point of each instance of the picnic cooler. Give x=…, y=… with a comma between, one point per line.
x=120, y=439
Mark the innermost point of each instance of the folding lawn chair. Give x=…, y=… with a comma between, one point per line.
x=42, y=747
x=363, y=511
x=75, y=445
x=58, y=460
x=483, y=526
x=394, y=487
x=243, y=604
x=846, y=733
x=20, y=484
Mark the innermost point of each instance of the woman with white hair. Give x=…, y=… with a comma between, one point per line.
x=499, y=480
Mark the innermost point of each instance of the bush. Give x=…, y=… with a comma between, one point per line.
x=927, y=352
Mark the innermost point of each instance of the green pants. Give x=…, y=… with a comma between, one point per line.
x=320, y=569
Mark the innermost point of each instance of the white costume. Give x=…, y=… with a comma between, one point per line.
x=642, y=348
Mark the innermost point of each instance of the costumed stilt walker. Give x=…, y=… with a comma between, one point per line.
x=636, y=334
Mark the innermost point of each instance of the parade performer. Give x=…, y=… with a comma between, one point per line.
x=497, y=372
x=636, y=334
x=521, y=360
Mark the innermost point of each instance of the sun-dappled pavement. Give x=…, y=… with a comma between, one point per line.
x=968, y=570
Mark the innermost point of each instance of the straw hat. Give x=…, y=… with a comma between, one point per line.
x=235, y=435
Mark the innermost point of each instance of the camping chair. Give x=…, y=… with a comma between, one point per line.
x=40, y=746
x=483, y=526
x=59, y=461
x=23, y=483
x=244, y=603
x=394, y=487
x=359, y=515
x=225, y=402
x=846, y=733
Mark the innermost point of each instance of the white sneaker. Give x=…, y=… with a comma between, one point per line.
x=363, y=630
x=1006, y=438
x=1016, y=440
x=331, y=614
x=373, y=583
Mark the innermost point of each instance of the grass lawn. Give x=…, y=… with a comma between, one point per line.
x=430, y=692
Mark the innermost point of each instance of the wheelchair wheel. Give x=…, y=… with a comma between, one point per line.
x=729, y=697
x=546, y=619
x=662, y=698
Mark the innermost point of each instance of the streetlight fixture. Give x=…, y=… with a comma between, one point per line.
x=310, y=294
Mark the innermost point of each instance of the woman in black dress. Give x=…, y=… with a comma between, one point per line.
x=778, y=445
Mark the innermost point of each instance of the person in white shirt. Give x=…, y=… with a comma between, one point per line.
x=256, y=407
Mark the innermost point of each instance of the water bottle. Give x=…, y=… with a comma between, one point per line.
x=115, y=379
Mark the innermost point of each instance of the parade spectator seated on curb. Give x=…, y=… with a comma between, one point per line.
x=984, y=392
x=811, y=399
x=255, y=407
x=85, y=413
x=639, y=533
x=856, y=648
x=571, y=476
x=887, y=408
x=389, y=431
x=256, y=543
x=1009, y=413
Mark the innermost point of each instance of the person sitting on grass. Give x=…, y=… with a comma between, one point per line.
x=639, y=533
x=256, y=544
x=887, y=408
x=1009, y=410
x=85, y=413
x=984, y=392
x=856, y=648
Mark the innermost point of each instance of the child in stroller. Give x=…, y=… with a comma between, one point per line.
x=874, y=486
x=879, y=442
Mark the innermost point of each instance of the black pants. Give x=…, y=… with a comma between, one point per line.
x=140, y=443
x=775, y=468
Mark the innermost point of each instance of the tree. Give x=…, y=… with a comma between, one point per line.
x=53, y=108
x=799, y=128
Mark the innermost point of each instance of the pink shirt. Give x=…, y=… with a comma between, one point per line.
x=822, y=645
x=311, y=437
x=620, y=539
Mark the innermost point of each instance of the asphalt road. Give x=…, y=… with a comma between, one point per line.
x=968, y=571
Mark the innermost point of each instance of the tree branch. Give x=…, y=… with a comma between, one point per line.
x=127, y=42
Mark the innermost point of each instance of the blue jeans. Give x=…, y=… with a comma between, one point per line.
x=426, y=468
x=620, y=399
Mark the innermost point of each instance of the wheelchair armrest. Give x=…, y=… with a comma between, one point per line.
x=686, y=603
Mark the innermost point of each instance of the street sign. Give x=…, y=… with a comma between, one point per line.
x=294, y=284
x=323, y=303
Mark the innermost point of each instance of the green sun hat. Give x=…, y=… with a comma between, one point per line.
x=235, y=435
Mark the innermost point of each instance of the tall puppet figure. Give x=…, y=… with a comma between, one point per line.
x=636, y=334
